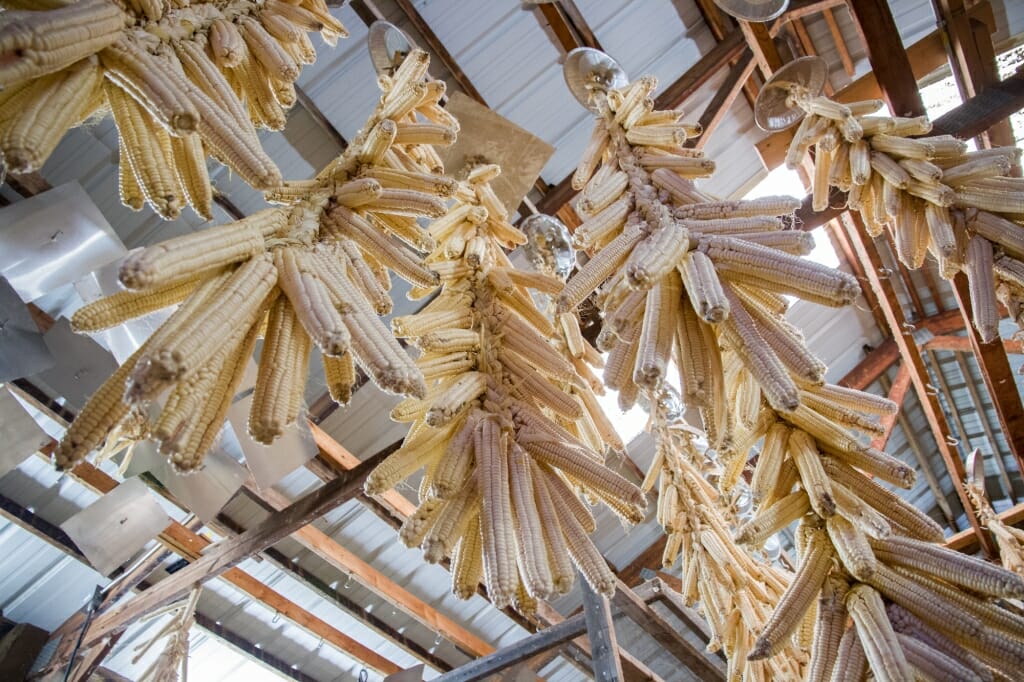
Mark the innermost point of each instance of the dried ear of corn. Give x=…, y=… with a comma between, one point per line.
x=175, y=63
x=321, y=288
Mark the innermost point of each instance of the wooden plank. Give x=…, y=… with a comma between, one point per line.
x=649, y=558
x=665, y=634
x=604, y=650
x=523, y=650
x=350, y=563
x=728, y=91
x=805, y=8
x=226, y=554
x=837, y=36
x=911, y=354
x=967, y=540
x=760, y=42
x=579, y=24
x=559, y=25
x=897, y=392
x=438, y=48
x=962, y=344
x=340, y=459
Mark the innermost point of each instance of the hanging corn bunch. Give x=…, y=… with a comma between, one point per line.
x=174, y=76
x=309, y=276
x=736, y=591
x=682, y=276
x=930, y=192
x=507, y=433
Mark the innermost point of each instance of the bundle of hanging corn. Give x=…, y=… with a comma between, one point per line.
x=508, y=433
x=174, y=75
x=1010, y=540
x=313, y=272
x=932, y=194
x=739, y=590
x=683, y=276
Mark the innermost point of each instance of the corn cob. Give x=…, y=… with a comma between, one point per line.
x=773, y=518
x=113, y=310
x=302, y=283
x=798, y=597
x=851, y=664
x=882, y=648
x=467, y=564
x=980, y=277
x=812, y=475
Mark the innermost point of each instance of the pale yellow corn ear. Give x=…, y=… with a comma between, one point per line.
x=601, y=191
x=813, y=478
x=998, y=230
x=979, y=267
x=725, y=210
x=576, y=463
x=762, y=362
x=500, y=574
x=591, y=157
x=851, y=545
x=189, y=255
x=851, y=664
x=466, y=389
x=101, y=413
x=560, y=564
x=842, y=415
x=913, y=521
x=882, y=648
x=588, y=560
x=657, y=254
x=113, y=310
x=420, y=449
x=695, y=368
x=420, y=182
x=786, y=341
x=970, y=573
x=370, y=240
x=127, y=184
x=358, y=192
x=283, y=345
x=467, y=563
x=302, y=281
x=418, y=524
x=658, y=332
x=266, y=49
x=745, y=262
x=860, y=162
x=597, y=269
x=453, y=521
x=340, y=374
x=856, y=400
x=773, y=518
x=531, y=550
x=456, y=463
x=703, y=287
x=38, y=43
x=976, y=168
x=190, y=166
x=424, y=133
x=903, y=147
x=830, y=622
x=226, y=43
x=823, y=159
x=797, y=598
x=769, y=461
x=406, y=202
x=596, y=230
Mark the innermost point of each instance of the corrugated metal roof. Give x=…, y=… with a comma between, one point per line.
x=514, y=63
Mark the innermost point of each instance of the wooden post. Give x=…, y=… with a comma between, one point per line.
x=874, y=267
x=604, y=651
x=226, y=554
x=522, y=650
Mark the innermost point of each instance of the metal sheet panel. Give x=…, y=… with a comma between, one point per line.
x=54, y=238
x=20, y=435
x=22, y=349
x=113, y=529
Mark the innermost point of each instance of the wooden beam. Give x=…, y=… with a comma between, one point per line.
x=604, y=650
x=649, y=558
x=559, y=24
x=350, y=563
x=889, y=60
x=718, y=108
x=224, y=555
x=897, y=392
x=962, y=344
x=523, y=650
x=438, y=48
x=967, y=540
x=665, y=634
x=837, y=36
x=763, y=46
x=579, y=24
x=911, y=354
